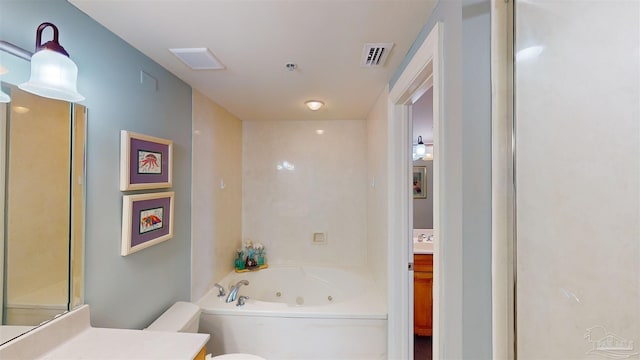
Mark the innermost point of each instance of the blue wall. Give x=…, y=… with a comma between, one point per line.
x=125, y=292
x=466, y=185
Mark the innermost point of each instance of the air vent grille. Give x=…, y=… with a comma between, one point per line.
x=198, y=58
x=375, y=55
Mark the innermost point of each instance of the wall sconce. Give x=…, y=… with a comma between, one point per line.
x=422, y=151
x=53, y=74
x=314, y=104
x=4, y=98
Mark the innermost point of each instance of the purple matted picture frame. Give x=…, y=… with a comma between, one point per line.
x=146, y=162
x=147, y=219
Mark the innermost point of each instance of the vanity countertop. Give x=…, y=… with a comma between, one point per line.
x=94, y=343
x=8, y=332
x=71, y=336
x=423, y=247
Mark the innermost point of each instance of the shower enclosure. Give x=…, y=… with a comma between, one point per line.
x=577, y=179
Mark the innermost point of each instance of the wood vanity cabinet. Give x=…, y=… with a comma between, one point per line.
x=423, y=294
x=202, y=355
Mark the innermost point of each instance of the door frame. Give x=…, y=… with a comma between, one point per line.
x=503, y=191
x=423, y=71
x=3, y=155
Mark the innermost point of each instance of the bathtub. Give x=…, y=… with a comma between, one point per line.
x=299, y=312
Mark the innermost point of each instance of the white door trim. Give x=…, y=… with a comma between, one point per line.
x=424, y=68
x=3, y=135
x=502, y=183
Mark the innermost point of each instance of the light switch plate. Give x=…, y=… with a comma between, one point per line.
x=319, y=238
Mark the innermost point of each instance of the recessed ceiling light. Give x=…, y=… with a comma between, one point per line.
x=314, y=104
x=198, y=58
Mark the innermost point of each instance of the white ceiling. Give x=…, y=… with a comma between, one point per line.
x=254, y=39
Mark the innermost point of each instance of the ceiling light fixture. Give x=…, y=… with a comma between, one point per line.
x=314, y=104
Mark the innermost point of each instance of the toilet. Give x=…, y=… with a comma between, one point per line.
x=185, y=317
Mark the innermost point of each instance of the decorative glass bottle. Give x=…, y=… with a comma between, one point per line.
x=239, y=261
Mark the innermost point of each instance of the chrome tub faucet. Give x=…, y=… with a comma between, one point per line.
x=233, y=292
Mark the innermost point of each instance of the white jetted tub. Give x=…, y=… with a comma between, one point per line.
x=298, y=312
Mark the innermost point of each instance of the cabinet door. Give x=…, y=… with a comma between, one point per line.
x=422, y=303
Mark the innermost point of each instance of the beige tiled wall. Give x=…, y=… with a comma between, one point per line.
x=322, y=187
x=578, y=180
x=216, y=193
x=377, y=188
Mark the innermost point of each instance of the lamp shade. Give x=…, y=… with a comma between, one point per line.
x=4, y=98
x=421, y=148
x=53, y=75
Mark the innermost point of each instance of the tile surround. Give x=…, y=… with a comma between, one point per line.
x=325, y=191
x=216, y=215
x=578, y=176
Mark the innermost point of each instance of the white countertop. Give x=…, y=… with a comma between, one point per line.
x=8, y=332
x=101, y=343
x=71, y=336
x=423, y=247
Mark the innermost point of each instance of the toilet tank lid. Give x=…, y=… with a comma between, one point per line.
x=176, y=317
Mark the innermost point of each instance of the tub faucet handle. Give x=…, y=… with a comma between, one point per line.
x=241, y=300
x=221, y=291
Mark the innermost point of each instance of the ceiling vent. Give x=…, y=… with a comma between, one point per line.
x=198, y=58
x=375, y=55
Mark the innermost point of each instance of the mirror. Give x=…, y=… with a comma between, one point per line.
x=42, y=173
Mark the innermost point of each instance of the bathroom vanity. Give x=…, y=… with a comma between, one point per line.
x=423, y=294
x=423, y=282
x=71, y=336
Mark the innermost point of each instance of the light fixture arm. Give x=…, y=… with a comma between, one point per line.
x=25, y=54
x=15, y=50
x=49, y=45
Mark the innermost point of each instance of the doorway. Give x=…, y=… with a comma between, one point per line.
x=421, y=74
x=422, y=215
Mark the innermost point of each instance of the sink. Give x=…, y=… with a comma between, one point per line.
x=423, y=241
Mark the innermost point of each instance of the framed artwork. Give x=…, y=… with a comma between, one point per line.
x=147, y=219
x=419, y=182
x=146, y=162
